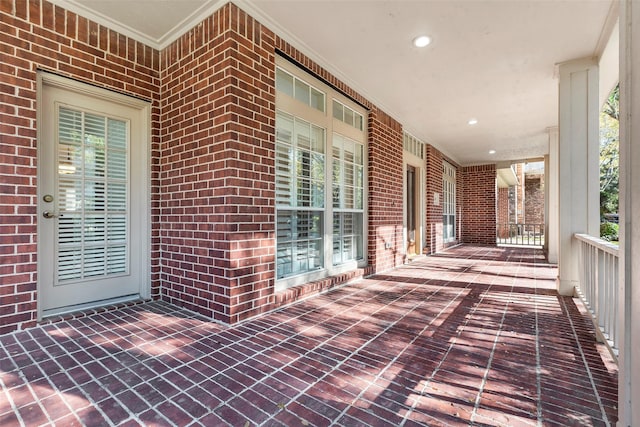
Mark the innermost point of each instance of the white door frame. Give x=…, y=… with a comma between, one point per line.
x=419, y=165
x=143, y=166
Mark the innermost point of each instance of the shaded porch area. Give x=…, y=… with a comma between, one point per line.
x=472, y=336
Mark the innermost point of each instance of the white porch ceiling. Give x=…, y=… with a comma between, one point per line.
x=493, y=60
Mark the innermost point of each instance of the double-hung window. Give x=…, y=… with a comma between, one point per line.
x=348, y=192
x=320, y=179
x=300, y=164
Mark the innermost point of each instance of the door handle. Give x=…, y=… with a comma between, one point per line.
x=48, y=214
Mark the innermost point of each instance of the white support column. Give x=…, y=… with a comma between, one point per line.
x=579, y=190
x=551, y=197
x=629, y=304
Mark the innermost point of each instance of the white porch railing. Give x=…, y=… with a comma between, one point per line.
x=599, y=285
x=520, y=234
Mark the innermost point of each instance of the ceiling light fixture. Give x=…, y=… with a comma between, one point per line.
x=492, y=151
x=472, y=122
x=422, y=41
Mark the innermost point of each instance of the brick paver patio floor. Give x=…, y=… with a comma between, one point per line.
x=474, y=336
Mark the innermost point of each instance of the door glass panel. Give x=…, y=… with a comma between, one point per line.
x=93, y=196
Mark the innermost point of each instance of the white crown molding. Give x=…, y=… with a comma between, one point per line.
x=183, y=26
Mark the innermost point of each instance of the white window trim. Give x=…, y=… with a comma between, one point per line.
x=452, y=180
x=292, y=106
x=409, y=158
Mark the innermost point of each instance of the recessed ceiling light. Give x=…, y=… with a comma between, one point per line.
x=422, y=41
x=473, y=122
x=492, y=151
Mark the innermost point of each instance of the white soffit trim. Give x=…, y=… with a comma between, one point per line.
x=184, y=26
x=609, y=65
x=506, y=177
x=608, y=53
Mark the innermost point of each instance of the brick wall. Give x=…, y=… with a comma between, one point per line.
x=385, y=192
x=433, y=234
x=503, y=211
x=218, y=155
x=433, y=212
x=534, y=199
x=212, y=171
x=218, y=212
x=38, y=35
x=479, y=205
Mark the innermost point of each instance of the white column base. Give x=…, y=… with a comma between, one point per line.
x=567, y=288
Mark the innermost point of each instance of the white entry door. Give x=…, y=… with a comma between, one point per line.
x=92, y=197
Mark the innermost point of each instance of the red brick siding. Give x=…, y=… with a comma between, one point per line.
x=503, y=211
x=218, y=121
x=534, y=199
x=218, y=156
x=212, y=171
x=479, y=205
x=38, y=35
x=433, y=213
x=520, y=195
x=385, y=192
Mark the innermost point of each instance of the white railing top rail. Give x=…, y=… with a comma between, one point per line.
x=603, y=245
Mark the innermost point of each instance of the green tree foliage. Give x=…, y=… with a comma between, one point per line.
x=609, y=153
x=612, y=107
x=609, y=231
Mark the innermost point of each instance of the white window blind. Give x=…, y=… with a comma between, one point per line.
x=300, y=176
x=93, y=200
x=348, y=193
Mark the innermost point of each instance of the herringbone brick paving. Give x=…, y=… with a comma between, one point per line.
x=474, y=336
